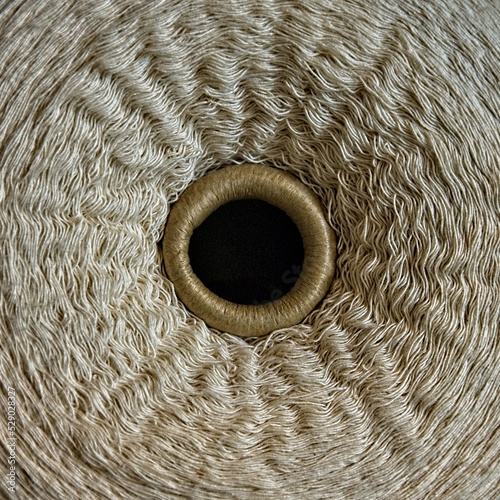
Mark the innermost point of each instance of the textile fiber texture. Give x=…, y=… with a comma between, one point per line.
x=388, y=110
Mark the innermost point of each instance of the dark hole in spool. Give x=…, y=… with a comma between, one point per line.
x=247, y=252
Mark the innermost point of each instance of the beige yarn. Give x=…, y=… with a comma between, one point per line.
x=388, y=111
x=285, y=192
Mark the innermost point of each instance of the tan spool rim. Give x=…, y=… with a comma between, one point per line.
x=280, y=189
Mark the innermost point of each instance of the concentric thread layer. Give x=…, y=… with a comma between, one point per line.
x=388, y=111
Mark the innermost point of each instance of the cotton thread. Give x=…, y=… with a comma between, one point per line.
x=388, y=111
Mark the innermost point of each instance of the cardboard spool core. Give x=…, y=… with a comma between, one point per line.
x=249, y=250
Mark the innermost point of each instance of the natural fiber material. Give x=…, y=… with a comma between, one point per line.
x=388, y=111
x=275, y=187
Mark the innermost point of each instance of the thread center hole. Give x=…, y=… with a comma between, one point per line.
x=247, y=252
